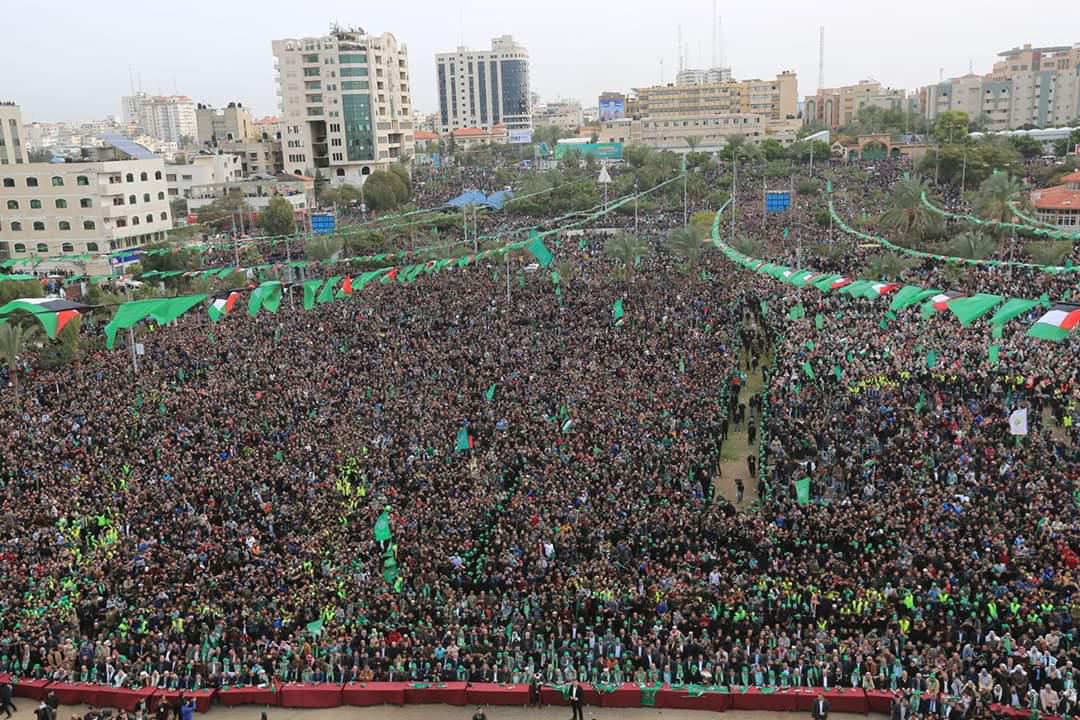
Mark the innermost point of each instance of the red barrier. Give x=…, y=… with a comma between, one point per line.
x=880, y=701
x=755, y=699
x=202, y=698
x=374, y=693
x=551, y=696
x=627, y=695
x=492, y=694
x=310, y=695
x=248, y=696
x=120, y=697
x=680, y=699
x=33, y=689
x=841, y=700
x=451, y=693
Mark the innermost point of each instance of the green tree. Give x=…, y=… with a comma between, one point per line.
x=1042, y=252
x=773, y=149
x=951, y=127
x=64, y=350
x=1065, y=146
x=972, y=246
x=277, y=218
x=692, y=142
x=383, y=190
x=906, y=213
x=320, y=183
x=888, y=266
x=1027, y=146
x=18, y=289
x=323, y=247
x=749, y=246
x=685, y=243
x=15, y=340
x=991, y=200
x=626, y=249
x=223, y=211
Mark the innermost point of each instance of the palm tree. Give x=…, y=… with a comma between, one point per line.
x=323, y=247
x=888, y=266
x=692, y=142
x=991, y=200
x=626, y=249
x=829, y=251
x=906, y=213
x=972, y=246
x=566, y=269
x=14, y=340
x=685, y=243
x=751, y=247
x=1048, y=253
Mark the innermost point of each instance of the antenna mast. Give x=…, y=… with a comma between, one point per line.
x=821, y=59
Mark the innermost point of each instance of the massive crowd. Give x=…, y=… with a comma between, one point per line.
x=209, y=521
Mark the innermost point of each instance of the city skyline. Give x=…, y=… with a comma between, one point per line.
x=576, y=51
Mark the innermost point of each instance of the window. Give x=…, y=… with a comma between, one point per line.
x=171, y=177
x=43, y=248
x=143, y=177
x=157, y=174
x=354, y=85
x=311, y=58
x=31, y=182
x=164, y=216
x=20, y=248
x=352, y=58
x=91, y=247
x=146, y=197
x=86, y=203
x=16, y=227
x=67, y=247
x=311, y=72
x=131, y=199
x=39, y=226
x=89, y=225
x=121, y=222
x=130, y=177
x=161, y=196
x=65, y=225
x=82, y=180
x=57, y=181
x=135, y=220
x=61, y=203
x=354, y=72
x=149, y=218
x=9, y=182
x=35, y=204
x=12, y=204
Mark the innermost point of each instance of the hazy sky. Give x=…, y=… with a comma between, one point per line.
x=219, y=50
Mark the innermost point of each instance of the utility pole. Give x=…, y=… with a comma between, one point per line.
x=635, y=208
x=734, y=172
x=685, y=204
x=963, y=173
x=131, y=333
x=506, y=255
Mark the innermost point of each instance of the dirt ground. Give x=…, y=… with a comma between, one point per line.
x=435, y=712
x=737, y=446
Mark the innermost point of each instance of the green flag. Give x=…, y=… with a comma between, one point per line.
x=931, y=360
x=617, y=312
x=808, y=370
x=490, y=394
x=838, y=372
x=311, y=287
x=819, y=321
x=921, y=403
x=796, y=312
x=538, y=249
x=787, y=231
x=266, y=297
x=994, y=352
x=828, y=186
x=464, y=439
x=802, y=490
x=327, y=293
x=315, y=627
x=382, y=527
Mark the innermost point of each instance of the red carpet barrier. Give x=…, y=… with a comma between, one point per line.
x=449, y=693
x=492, y=694
x=310, y=695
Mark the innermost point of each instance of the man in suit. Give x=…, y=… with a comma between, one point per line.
x=5, y=699
x=820, y=709
x=900, y=709
x=577, y=698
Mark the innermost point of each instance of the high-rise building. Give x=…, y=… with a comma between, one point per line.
x=1027, y=86
x=168, y=118
x=484, y=88
x=231, y=123
x=772, y=99
x=12, y=135
x=346, y=103
x=836, y=107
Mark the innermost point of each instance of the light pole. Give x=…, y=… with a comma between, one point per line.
x=635, y=208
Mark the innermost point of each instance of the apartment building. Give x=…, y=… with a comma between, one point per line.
x=231, y=123
x=346, y=104
x=116, y=200
x=484, y=88
x=563, y=114
x=776, y=99
x=12, y=135
x=837, y=107
x=671, y=132
x=168, y=118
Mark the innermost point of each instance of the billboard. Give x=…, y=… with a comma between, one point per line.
x=777, y=201
x=323, y=224
x=519, y=137
x=601, y=151
x=612, y=109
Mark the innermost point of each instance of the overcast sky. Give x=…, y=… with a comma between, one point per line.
x=216, y=51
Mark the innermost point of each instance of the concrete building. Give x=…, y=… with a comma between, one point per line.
x=191, y=170
x=1027, y=86
x=690, y=76
x=670, y=132
x=13, y=141
x=837, y=107
x=257, y=192
x=168, y=118
x=346, y=104
x=484, y=88
x=469, y=138
x=563, y=114
x=116, y=200
x=268, y=128
x=1059, y=205
x=772, y=99
x=231, y=123
x=256, y=157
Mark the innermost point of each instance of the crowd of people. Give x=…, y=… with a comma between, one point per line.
x=209, y=521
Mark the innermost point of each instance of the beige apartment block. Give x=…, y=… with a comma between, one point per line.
x=12, y=135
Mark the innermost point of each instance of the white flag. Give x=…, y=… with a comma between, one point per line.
x=1018, y=422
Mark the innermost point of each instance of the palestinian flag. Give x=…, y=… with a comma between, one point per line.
x=346, y=287
x=839, y=283
x=464, y=439
x=52, y=313
x=940, y=302
x=1056, y=323
x=879, y=288
x=390, y=276
x=222, y=306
